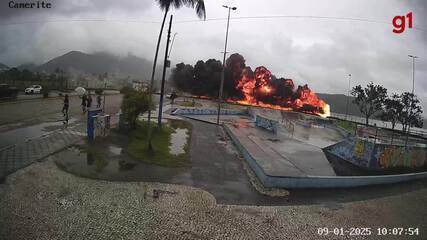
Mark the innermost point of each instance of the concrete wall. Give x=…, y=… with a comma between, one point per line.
x=206, y=111
x=378, y=156
x=266, y=123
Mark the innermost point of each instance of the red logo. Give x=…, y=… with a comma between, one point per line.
x=399, y=23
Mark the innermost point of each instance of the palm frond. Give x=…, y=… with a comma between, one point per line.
x=198, y=5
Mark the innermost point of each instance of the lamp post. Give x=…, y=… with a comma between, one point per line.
x=173, y=40
x=413, y=71
x=348, y=96
x=412, y=97
x=223, y=63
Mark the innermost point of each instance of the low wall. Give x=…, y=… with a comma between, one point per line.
x=206, y=111
x=368, y=155
x=266, y=123
x=318, y=181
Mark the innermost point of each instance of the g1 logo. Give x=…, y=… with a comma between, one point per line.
x=399, y=23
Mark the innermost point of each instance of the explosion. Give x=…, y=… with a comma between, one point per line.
x=261, y=88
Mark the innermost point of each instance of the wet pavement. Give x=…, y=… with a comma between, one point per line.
x=21, y=135
x=35, y=111
x=215, y=167
x=20, y=155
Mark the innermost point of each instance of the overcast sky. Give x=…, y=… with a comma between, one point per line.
x=320, y=52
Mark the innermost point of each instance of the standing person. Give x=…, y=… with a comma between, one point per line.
x=65, y=108
x=98, y=101
x=84, y=102
x=89, y=101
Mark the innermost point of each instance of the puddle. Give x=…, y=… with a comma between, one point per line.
x=112, y=165
x=178, y=141
x=20, y=135
x=115, y=150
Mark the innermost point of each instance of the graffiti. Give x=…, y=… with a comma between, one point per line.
x=378, y=156
x=270, y=125
x=101, y=125
x=393, y=156
x=359, y=148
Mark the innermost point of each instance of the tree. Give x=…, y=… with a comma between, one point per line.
x=369, y=99
x=165, y=5
x=183, y=77
x=410, y=115
x=135, y=103
x=392, y=107
x=203, y=80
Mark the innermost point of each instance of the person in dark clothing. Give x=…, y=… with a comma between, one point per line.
x=89, y=101
x=98, y=101
x=65, y=108
x=84, y=102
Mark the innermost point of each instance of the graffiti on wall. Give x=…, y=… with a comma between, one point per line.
x=206, y=111
x=101, y=125
x=392, y=156
x=379, y=156
x=268, y=124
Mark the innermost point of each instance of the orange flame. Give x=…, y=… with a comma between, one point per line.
x=259, y=90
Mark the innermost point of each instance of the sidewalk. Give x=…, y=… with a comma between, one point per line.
x=19, y=156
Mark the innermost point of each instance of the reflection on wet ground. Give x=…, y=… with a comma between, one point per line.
x=107, y=159
x=20, y=135
x=178, y=141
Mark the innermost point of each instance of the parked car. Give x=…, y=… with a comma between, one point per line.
x=7, y=91
x=33, y=89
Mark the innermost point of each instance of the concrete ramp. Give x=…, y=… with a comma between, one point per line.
x=281, y=156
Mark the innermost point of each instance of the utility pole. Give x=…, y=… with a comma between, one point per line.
x=223, y=63
x=165, y=65
x=348, y=96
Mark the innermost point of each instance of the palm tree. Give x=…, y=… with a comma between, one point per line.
x=165, y=5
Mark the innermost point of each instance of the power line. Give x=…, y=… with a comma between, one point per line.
x=210, y=19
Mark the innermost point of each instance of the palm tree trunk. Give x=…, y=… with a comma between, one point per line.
x=153, y=72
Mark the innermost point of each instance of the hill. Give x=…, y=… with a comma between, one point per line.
x=99, y=63
x=338, y=103
x=28, y=66
x=3, y=66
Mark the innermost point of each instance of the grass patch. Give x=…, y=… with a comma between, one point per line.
x=188, y=104
x=347, y=125
x=161, y=142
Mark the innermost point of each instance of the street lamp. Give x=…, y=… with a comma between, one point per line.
x=223, y=63
x=348, y=96
x=413, y=71
x=412, y=97
x=173, y=39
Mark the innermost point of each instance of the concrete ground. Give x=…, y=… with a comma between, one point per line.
x=43, y=202
x=19, y=114
x=281, y=155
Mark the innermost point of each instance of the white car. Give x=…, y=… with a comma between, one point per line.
x=33, y=89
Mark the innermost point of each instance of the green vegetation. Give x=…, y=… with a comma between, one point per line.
x=347, y=125
x=189, y=104
x=135, y=103
x=161, y=141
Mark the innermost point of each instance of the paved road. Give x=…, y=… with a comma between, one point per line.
x=35, y=111
x=35, y=129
